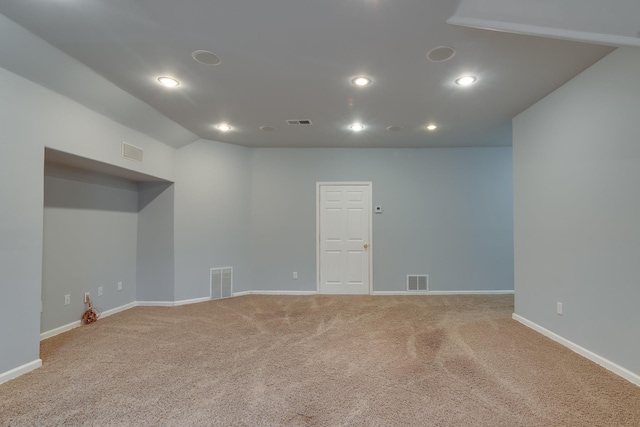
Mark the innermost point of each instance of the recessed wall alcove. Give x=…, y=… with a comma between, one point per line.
x=103, y=225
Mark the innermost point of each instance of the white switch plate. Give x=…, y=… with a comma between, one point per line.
x=295, y=274
x=119, y=286
x=67, y=299
x=99, y=291
x=559, y=308
x=87, y=295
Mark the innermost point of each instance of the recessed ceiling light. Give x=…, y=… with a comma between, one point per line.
x=356, y=127
x=205, y=57
x=223, y=127
x=432, y=127
x=267, y=128
x=394, y=128
x=361, y=81
x=168, y=81
x=466, y=80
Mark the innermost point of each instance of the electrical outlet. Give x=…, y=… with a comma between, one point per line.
x=67, y=299
x=559, y=308
x=119, y=286
x=87, y=295
x=295, y=274
x=99, y=291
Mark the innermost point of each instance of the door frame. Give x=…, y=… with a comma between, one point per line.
x=369, y=186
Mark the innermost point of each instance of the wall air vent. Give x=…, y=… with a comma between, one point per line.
x=299, y=122
x=418, y=282
x=221, y=282
x=132, y=152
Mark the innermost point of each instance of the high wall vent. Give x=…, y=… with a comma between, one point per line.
x=221, y=282
x=418, y=282
x=299, y=122
x=132, y=152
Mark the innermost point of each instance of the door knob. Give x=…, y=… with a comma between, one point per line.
x=366, y=245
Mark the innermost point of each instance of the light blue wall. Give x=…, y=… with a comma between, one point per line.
x=155, y=261
x=447, y=213
x=21, y=192
x=577, y=209
x=90, y=240
x=212, y=216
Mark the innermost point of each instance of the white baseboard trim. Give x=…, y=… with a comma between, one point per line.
x=605, y=363
x=241, y=294
x=284, y=292
x=493, y=292
x=237, y=294
x=191, y=301
x=60, y=329
x=20, y=370
x=155, y=303
x=171, y=303
x=108, y=313
x=490, y=292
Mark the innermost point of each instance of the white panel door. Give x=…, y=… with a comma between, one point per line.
x=344, y=240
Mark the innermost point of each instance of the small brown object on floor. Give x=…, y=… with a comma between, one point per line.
x=89, y=316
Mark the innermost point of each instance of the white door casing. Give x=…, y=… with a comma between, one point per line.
x=344, y=238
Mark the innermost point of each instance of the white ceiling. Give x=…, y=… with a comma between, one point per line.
x=293, y=59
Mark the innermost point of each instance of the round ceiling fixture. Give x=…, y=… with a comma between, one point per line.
x=466, y=80
x=361, y=81
x=168, y=81
x=356, y=127
x=441, y=54
x=205, y=57
x=394, y=128
x=267, y=128
x=223, y=127
x=432, y=127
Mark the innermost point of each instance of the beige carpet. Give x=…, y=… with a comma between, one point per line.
x=317, y=360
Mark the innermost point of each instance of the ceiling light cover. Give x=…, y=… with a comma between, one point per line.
x=361, y=81
x=223, y=127
x=466, y=80
x=394, y=128
x=267, y=128
x=168, y=81
x=356, y=127
x=205, y=57
x=441, y=54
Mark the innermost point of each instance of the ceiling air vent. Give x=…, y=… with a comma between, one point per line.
x=132, y=152
x=299, y=122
